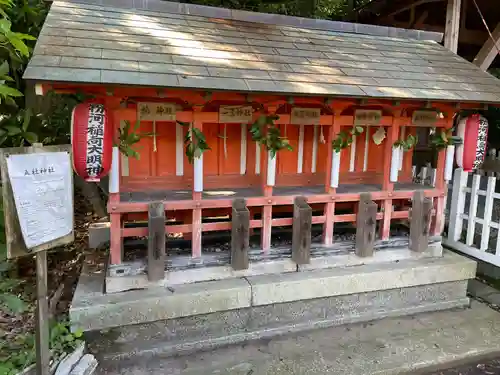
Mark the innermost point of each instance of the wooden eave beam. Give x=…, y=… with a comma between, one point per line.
x=394, y=11
x=489, y=50
x=452, y=26
x=265, y=99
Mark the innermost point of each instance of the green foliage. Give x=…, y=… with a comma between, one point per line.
x=10, y=302
x=195, y=142
x=62, y=340
x=344, y=139
x=406, y=144
x=17, y=354
x=128, y=137
x=328, y=9
x=20, y=353
x=265, y=132
x=444, y=138
x=20, y=24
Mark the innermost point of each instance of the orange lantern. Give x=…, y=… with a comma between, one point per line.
x=91, y=140
x=474, y=132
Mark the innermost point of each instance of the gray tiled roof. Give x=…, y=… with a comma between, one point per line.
x=164, y=44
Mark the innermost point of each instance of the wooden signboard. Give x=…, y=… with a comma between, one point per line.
x=305, y=116
x=37, y=187
x=424, y=117
x=47, y=183
x=151, y=111
x=367, y=117
x=235, y=114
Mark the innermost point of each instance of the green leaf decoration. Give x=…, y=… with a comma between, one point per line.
x=444, y=138
x=265, y=132
x=196, y=144
x=406, y=145
x=128, y=139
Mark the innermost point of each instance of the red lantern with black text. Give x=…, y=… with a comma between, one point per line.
x=91, y=140
x=474, y=132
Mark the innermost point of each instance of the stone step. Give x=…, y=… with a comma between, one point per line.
x=205, y=316
x=426, y=341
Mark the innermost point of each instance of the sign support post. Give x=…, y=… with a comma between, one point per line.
x=38, y=217
x=42, y=315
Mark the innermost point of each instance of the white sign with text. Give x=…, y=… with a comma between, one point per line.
x=43, y=194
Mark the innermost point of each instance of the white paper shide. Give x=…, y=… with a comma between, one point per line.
x=43, y=195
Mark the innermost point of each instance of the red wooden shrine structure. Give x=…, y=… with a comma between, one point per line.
x=326, y=89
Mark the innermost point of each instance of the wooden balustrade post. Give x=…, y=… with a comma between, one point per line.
x=156, y=241
x=301, y=232
x=420, y=219
x=240, y=235
x=366, y=222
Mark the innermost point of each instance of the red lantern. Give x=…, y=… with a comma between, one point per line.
x=474, y=132
x=91, y=140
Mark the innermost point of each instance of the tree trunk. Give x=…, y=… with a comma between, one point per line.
x=91, y=193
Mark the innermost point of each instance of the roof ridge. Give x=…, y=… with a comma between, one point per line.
x=265, y=18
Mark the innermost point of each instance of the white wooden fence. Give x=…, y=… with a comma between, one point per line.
x=474, y=215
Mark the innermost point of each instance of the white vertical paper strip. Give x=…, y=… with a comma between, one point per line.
x=448, y=167
x=335, y=172
x=401, y=156
x=271, y=169
x=367, y=146
x=179, y=150
x=395, y=164
x=423, y=174
x=243, y=153
x=352, y=161
x=123, y=157
x=154, y=137
x=300, y=151
x=257, y=158
x=314, y=161
x=114, y=173
x=198, y=174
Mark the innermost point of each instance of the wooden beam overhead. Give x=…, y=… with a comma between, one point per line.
x=413, y=5
x=452, y=26
x=489, y=51
x=420, y=20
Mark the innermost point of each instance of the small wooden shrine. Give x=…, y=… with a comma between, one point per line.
x=248, y=122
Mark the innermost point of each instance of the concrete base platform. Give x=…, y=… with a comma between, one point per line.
x=208, y=315
x=183, y=269
x=424, y=342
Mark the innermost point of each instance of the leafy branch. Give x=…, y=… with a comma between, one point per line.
x=128, y=137
x=406, y=144
x=265, y=132
x=344, y=139
x=195, y=141
x=444, y=138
